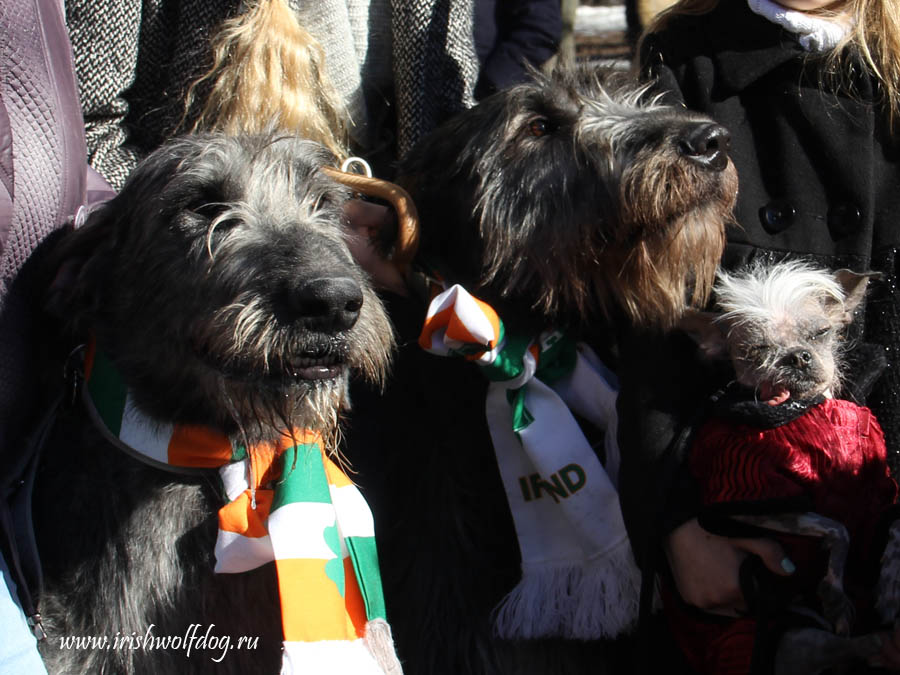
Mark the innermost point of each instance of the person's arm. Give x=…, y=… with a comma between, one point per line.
x=105, y=39
x=663, y=388
x=528, y=32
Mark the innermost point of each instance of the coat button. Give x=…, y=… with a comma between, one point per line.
x=844, y=219
x=776, y=216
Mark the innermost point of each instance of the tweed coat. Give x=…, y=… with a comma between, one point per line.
x=819, y=177
x=400, y=66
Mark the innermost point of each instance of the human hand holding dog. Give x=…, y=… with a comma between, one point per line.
x=706, y=566
x=889, y=655
x=366, y=220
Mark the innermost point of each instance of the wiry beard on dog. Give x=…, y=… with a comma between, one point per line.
x=220, y=285
x=576, y=194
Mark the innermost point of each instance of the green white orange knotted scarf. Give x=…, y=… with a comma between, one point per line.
x=579, y=578
x=314, y=524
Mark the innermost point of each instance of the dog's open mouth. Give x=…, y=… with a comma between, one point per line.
x=773, y=394
x=776, y=393
x=313, y=367
x=299, y=365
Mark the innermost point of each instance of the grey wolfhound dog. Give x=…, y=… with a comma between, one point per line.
x=577, y=200
x=219, y=284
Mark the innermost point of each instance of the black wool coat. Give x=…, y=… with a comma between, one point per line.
x=819, y=178
x=511, y=35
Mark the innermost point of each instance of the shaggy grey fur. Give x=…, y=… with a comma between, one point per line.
x=219, y=283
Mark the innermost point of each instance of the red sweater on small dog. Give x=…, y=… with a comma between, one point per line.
x=834, y=456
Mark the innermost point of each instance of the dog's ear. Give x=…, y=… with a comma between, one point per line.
x=706, y=331
x=854, y=285
x=77, y=266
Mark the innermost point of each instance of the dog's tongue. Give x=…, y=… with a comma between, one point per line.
x=773, y=395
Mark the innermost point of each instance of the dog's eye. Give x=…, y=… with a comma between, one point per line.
x=820, y=334
x=209, y=210
x=755, y=351
x=324, y=202
x=539, y=127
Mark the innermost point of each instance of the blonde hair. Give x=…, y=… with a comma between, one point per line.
x=875, y=37
x=269, y=73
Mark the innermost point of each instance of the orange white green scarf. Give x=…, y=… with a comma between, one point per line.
x=314, y=524
x=579, y=578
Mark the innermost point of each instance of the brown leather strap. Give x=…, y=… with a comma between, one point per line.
x=407, y=217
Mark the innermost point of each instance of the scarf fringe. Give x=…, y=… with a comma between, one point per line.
x=597, y=599
x=380, y=642
x=611, y=592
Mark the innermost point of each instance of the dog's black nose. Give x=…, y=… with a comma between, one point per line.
x=706, y=145
x=799, y=359
x=327, y=303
